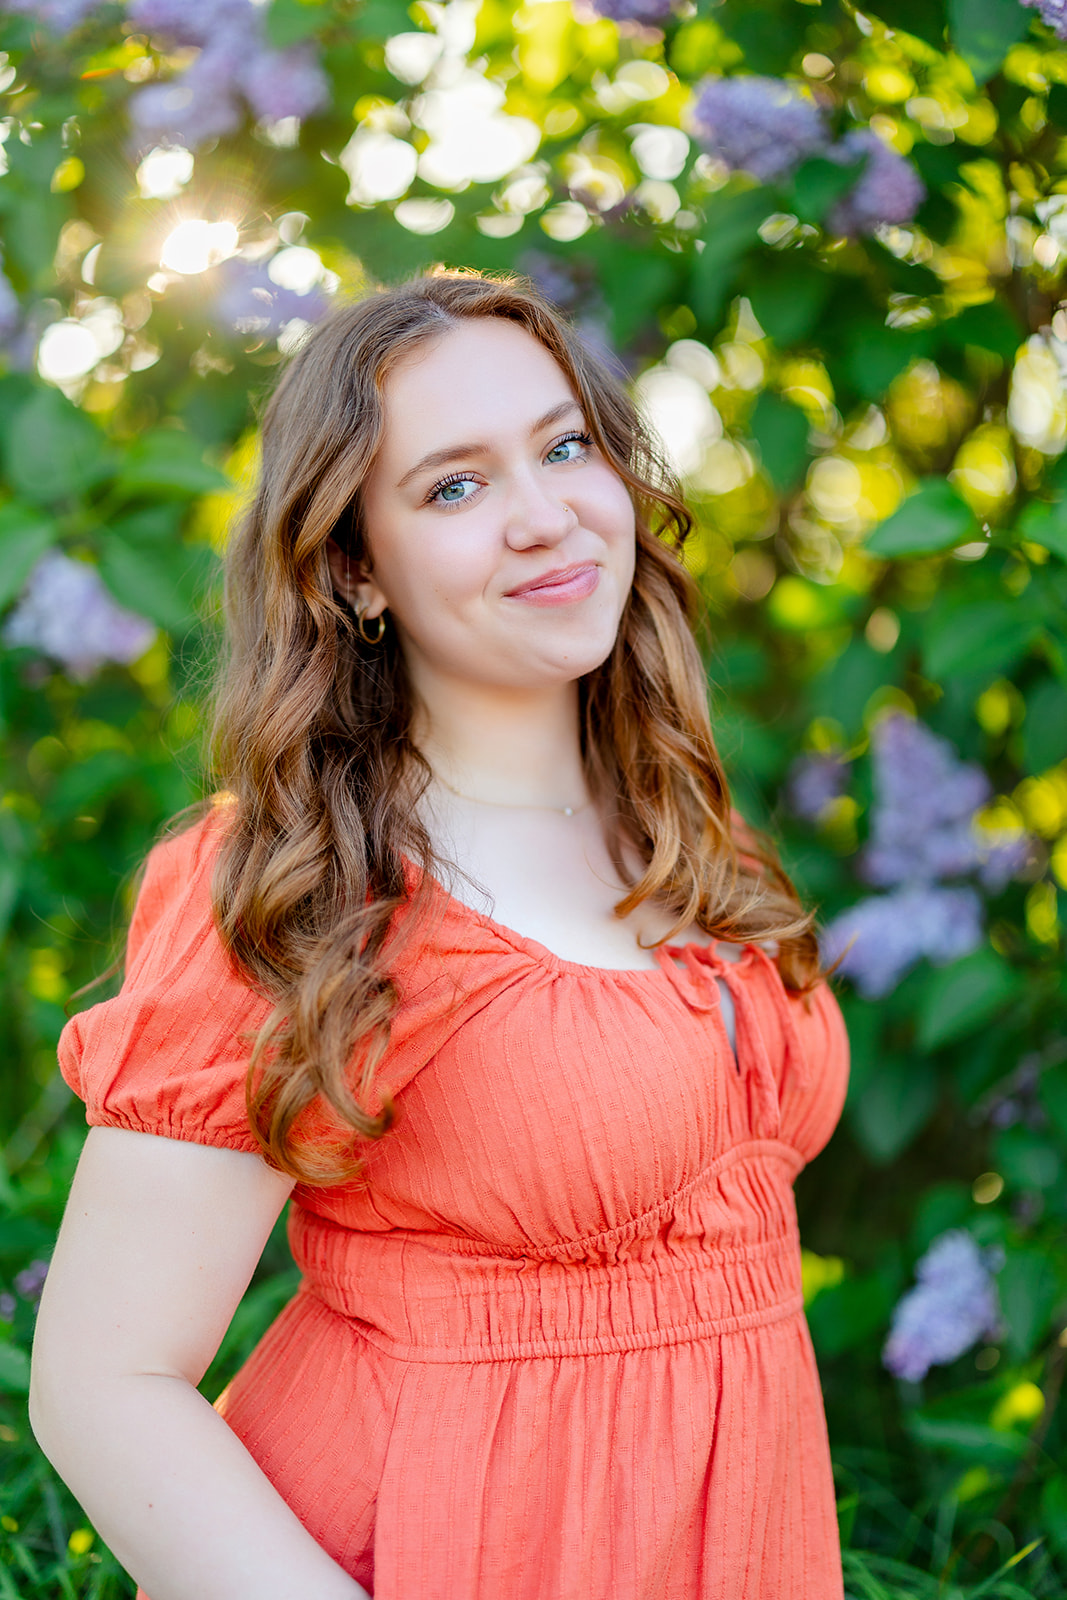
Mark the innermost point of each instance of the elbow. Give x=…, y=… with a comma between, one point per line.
x=45, y=1406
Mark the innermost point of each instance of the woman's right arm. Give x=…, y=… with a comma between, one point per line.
x=158, y=1244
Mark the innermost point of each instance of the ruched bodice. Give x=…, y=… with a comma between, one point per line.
x=551, y=1345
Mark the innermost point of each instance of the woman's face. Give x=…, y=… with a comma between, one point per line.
x=500, y=540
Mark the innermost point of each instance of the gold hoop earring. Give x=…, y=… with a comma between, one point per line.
x=361, y=625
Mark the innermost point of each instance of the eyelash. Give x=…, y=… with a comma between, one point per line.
x=463, y=477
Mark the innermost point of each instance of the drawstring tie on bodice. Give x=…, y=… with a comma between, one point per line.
x=694, y=968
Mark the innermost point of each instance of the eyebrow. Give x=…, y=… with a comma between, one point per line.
x=456, y=452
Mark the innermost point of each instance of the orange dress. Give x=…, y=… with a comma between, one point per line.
x=553, y=1348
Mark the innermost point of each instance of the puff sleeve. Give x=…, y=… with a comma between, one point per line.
x=169, y=1054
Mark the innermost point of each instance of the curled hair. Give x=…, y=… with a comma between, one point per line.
x=313, y=729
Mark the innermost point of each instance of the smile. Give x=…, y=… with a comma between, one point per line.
x=561, y=587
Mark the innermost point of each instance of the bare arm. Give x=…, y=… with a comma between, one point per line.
x=158, y=1244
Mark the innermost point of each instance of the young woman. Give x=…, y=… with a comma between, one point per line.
x=470, y=953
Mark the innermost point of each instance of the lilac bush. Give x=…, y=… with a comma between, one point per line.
x=235, y=67
x=764, y=126
x=925, y=801
x=888, y=190
x=60, y=17
x=650, y=13
x=815, y=781
x=248, y=301
x=29, y=1283
x=953, y=1305
x=1053, y=14
x=922, y=832
x=881, y=937
x=67, y=613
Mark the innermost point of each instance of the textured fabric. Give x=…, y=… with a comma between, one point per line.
x=553, y=1346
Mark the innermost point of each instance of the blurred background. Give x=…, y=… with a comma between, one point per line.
x=828, y=247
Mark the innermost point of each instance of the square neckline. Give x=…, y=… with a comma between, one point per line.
x=548, y=957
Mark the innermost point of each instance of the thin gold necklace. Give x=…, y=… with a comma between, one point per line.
x=509, y=805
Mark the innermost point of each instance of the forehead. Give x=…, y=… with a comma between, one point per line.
x=484, y=372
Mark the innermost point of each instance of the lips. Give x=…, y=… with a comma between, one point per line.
x=564, y=583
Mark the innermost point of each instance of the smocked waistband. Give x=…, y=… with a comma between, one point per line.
x=429, y=1297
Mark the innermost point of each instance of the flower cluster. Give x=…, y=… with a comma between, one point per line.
x=249, y=301
x=888, y=189
x=767, y=126
x=760, y=125
x=66, y=612
x=1053, y=14
x=923, y=831
x=815, y=782
x=29, y=1283
x=235, y=66
x=953, y=1305
x=60, y=17
x=648, y=13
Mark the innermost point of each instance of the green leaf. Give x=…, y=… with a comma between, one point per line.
x=1054, y=1512
x=1027, y=1287
x=933, y=518
x=983, y=31
x=731, y=229
x=166, y=459
x=637, y=283
x=897, y=1102
x=25, y=535
x=1053, y=1094
x=875, y=355
x=849, y=1314
x=1027, y=1159
x=786, y=299
x=161, y=584
x=1046, y=524
x=287, y=22
x=87, y=782
x=974, y=1440
x=14, y=1370
x=959, y=999
x=990, y=326
x=818, y=184
x=781, y=431
x=10, y=883
x=52, y=451
x=985, y=637
x=1045, y=727
x=924, y=19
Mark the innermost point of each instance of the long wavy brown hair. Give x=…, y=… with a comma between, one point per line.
x=313, y=728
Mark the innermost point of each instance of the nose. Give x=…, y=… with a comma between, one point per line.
x=536, y=515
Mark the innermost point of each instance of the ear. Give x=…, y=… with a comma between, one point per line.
x=353, y=584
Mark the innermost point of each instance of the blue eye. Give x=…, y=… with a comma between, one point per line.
x=569, y=449
x=450, y=491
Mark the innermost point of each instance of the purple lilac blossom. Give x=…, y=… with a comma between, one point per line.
x=888, y=189
x=815, y=781
x=235, y=64
x=8, y=1306
x=650, y=13
x=10, y=310
x=922, y=824
x=760, y=125
x=1053, y=14
x=953, y=1305
x=66, y=612
x=248, y=301
x=880, y=938
x=30, y=1282
x=60, y=17
x=284, y=83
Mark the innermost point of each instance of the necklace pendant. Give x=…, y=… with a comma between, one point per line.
x=568, y=811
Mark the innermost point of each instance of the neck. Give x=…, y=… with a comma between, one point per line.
x=503, y=747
